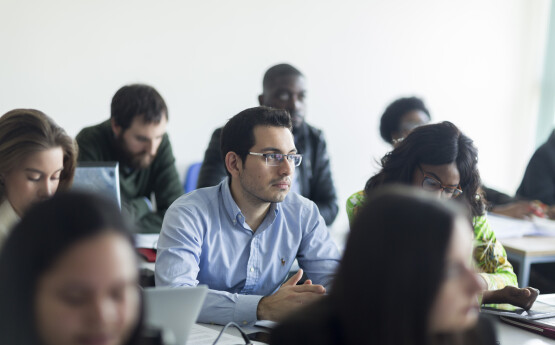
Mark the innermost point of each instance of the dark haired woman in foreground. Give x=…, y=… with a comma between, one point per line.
x=442, y=160
x=421, y=289
x=69, y=276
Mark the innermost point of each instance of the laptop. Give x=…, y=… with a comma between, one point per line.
x=540, y=310
x=545, y=327
x=98, y=177
x=174, y=308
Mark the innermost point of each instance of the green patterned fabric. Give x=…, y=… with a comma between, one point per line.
x=489, y=255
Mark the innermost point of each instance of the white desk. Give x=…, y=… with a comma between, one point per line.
x=507, y=334
x=527, y=251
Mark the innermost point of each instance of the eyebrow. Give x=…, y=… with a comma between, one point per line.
x=41, y=172
x=143, y=137
x=437, y=177
x=276, y=150
x=285, y=89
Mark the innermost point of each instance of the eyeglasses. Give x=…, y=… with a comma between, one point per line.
x=275, y=159
x=432, y=184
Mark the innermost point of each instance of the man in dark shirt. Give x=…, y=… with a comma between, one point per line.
x=135, y=136
x=539, y=179
x=283, y=87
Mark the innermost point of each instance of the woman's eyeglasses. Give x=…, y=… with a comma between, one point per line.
x=432, y=184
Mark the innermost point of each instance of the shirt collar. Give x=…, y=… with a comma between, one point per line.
x=233, y=211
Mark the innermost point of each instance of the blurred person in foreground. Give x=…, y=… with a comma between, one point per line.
x=412, y=238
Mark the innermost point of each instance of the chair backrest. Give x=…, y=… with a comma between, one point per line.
x=191, y=177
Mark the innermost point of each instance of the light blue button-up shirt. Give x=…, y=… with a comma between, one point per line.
x=205, y=240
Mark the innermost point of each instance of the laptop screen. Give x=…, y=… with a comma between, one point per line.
x=98, y=177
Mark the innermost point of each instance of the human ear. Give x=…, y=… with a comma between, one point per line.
x=115, y=127
x=233, y=163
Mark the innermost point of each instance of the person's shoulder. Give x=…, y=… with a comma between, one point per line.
x=546, y=151
x=315, y=324
x=295, y=201
x=218, y=131
x=215, y=138
x=356, y=199
x=199, y=200
x=102, y=129
x=480, y=221
x=315, y=132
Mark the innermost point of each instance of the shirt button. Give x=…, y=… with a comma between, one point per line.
x=252, y=269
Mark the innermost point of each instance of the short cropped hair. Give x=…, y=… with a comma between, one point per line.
x=238, y=133
x=137, y=100
x=391, y=117
x=277, y=71
x=26, y=131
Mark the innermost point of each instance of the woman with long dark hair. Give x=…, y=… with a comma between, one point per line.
x=405, y=114
x=441, y=159
x=69, y=275
x=400, y=236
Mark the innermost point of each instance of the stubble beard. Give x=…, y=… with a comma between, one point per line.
x=140, y=160
x=254, y=197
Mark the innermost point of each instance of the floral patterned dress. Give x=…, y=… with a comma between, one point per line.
x=489, y=255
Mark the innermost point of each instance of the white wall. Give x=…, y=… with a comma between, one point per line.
x=476, y=63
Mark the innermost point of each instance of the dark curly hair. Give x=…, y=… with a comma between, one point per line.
x=435, y=144
x=391, y=117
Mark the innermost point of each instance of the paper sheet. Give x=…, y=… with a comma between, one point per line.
x=146, y=240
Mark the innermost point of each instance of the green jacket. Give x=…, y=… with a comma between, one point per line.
x=97, y=143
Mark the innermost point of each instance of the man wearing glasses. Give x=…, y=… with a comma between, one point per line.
x=241, y=237
x=283, y=87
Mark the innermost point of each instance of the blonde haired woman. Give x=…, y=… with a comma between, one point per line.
x=37, y=158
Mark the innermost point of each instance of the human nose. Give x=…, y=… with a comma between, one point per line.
x=445, y=195
x=48, y=188
x=286, y=167
x=438, y=193
x=102, y=311
x=153, y=147
x=294, y=103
